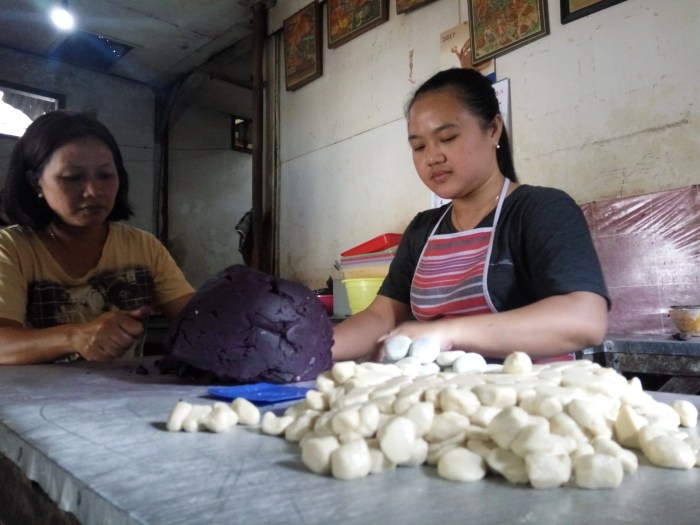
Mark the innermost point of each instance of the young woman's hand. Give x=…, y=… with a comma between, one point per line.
x=552, y=326
x=413, y=330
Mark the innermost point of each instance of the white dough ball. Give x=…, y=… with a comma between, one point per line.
x=517, y=363
x=469, y=362
x=409, y=365
x=448, y=358
x=670, y=452
x=221, y=418
x=396, y=347
x=194, y=418
x=507, y=464
x=248, y=413
x=351, y=460
x=396, y=439
x=425, y=349
x=273, y=425
x=460, y=464
x=178, y=415
x=316, y=453
x=427, y=369
x=687, y=412
x=598, y=471
x=547, y=471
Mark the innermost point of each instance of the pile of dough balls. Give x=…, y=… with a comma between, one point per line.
x=218, y=417
x=542, y=425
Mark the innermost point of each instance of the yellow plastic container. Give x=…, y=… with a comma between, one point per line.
x=361, y=292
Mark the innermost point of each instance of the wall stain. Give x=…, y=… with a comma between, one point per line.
x=653, y=129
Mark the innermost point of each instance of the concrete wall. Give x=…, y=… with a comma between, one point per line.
x=603, y=106
x=210, y=190
x=210, y=184
x=125, y=107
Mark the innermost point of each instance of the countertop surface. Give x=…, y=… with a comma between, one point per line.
x=93, y=436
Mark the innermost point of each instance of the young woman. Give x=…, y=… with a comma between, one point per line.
x=504, y=266
x=73, y=281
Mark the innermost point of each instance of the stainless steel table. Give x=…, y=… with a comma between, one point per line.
x=92, y=436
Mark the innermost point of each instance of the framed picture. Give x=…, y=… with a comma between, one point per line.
x=404, y=6
x=574, y=9
x=498, y=27
x=350, y=18
x=21, y=105
x=302, y=46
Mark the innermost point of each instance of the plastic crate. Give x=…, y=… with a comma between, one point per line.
x=378, y=244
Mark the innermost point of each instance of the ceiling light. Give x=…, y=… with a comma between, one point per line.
x=61, y=17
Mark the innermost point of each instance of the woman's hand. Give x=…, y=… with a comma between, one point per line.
x=104, y=339
x=552, y=326
x=356, y=337
x=414, y=329
x=111, y=335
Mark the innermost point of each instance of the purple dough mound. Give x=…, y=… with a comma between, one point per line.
x=245, y=326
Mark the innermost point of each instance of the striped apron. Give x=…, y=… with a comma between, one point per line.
x=452, y=272
x=451, y=276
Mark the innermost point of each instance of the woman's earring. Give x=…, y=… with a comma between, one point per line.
x=40, y=195
x=498, y=146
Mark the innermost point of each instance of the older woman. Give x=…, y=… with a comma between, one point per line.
x=74, y=282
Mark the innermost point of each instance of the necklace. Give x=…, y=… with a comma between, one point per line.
x=64, y=246
x=489, y=205
x=53, y=236
x=456, y=220
x=76, y=259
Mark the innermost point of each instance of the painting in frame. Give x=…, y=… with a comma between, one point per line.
x=348, y=19
x=303, y=58
x=574, y=9
x=404, y=6
x=497, y=26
